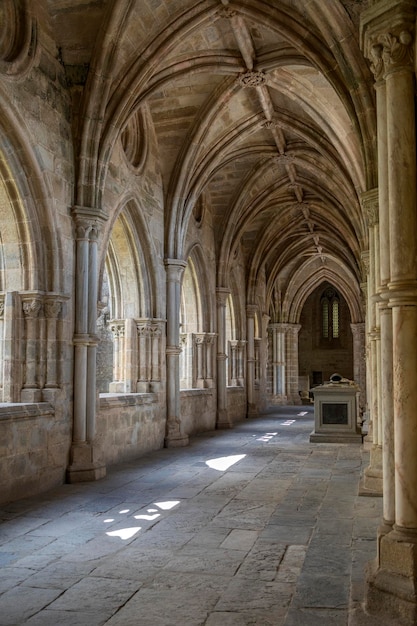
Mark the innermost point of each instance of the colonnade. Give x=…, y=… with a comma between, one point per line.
x=387, y=31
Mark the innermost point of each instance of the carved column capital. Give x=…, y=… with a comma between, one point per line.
x=370, y=206
x=387, y=34
x=222, y=293
x=251, y=310
x=32, y=307
x=175, y=269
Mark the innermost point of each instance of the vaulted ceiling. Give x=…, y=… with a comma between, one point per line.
x=263, y=112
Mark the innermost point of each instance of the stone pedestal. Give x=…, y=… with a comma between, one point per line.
x=335, y=413
x=85, y=464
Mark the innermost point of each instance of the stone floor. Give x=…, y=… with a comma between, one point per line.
x=255, y=525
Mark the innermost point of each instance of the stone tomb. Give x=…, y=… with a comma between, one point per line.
x=336, y=412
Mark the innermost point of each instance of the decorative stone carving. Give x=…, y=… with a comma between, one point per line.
x=252, y=79
x=226, y=12
x=370, y=206
x=388, y=52
x=31, y=308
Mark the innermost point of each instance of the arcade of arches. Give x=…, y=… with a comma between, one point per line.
x=208, y=207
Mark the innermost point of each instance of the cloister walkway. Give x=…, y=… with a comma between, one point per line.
x=255, y=525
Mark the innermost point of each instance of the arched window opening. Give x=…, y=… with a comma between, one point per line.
x=197, y=344
x=30, y=314
x=235, y=348
x=330, y=314
x=130, y=338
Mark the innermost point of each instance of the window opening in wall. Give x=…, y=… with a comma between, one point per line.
x=330, y=314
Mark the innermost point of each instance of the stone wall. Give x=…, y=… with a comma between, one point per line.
x=198, y=410
x=236, y=404
x=129, y=426
x=33, y=450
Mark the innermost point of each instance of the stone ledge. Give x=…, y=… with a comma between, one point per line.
x=112, y=400
x=18, y=410
x=207, y=391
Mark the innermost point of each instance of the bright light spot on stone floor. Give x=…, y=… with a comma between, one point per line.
x=223, y=463
x=288, y=423
x=124, y=511
x=302, y=413
x=169, y=504
x=152, y=510
x=107, y=521
x=147, y=517
x=124, y=533
x=267, y=436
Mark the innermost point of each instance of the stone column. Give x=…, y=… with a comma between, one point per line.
x=392, y=585
x=278, y=363
x=372, y=479
x=52, y=310
x=223, y=420
x=359, y=361
x=263, y=359
x=292, y=363
x=385, y=312
x=85, y=461
x=31, y=390
x=252, y=409
x=174, y=436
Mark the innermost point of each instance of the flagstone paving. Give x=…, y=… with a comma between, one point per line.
x=252, y=526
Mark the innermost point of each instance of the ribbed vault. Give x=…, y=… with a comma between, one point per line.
x=265, y=107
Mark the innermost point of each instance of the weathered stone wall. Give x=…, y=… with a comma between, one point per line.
x=36, y=144
x=198, y=410
x=33, y=450
x=129, y=425
x=236, y=404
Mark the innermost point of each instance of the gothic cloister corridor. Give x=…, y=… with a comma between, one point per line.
x=208, y=208
x=251, y=526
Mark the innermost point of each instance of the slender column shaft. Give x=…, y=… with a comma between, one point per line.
x=403, y=286
x=250, y=372
x=292, y=362
x=223, y=420
x=174, y=271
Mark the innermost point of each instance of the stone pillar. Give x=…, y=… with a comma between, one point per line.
x=223, y=420
x=85, y=461
x=387, y=29
x=252, y=409
x=52, y=310
x=174, y=436
x=385, y=313
x=367, y=441
x=31, y=389
x=263, y=352
x=292, y=363
x=372, y=479
x=359, y=361
x=277, y=332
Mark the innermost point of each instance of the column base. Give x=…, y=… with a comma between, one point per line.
x=84, y=466
x=176, y=442
x=252, y=410
x=371, y=482
x=223, y=420
x=392, y=579
x=31, y=395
